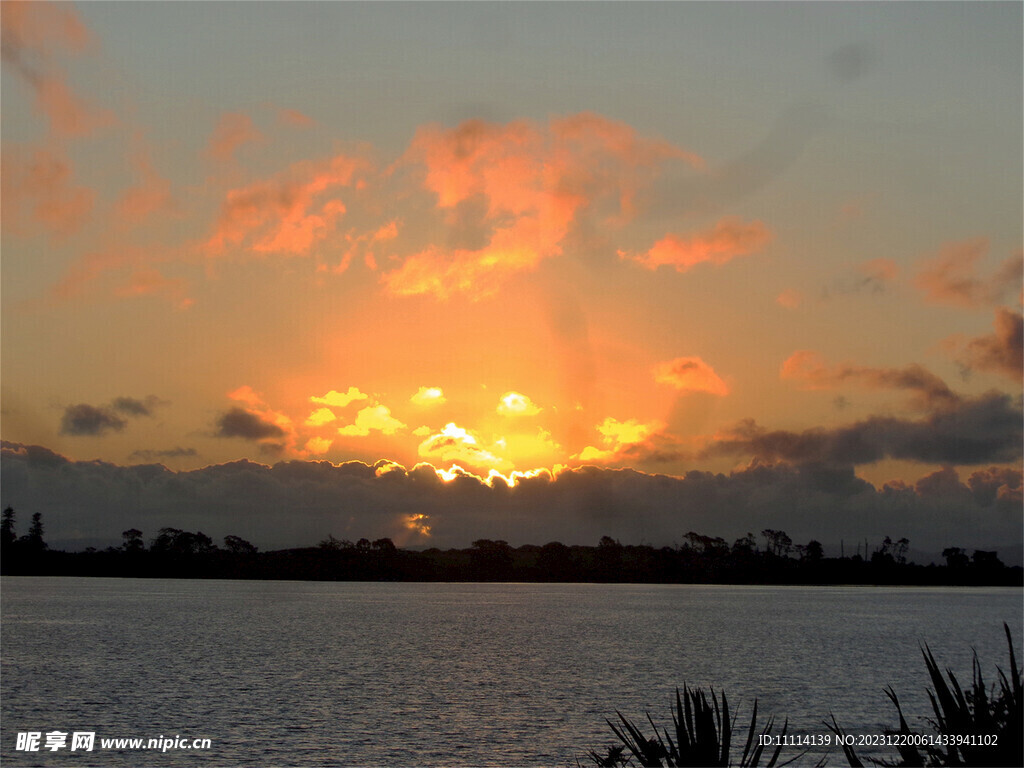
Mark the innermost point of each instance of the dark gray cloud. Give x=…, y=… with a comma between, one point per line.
x=85, y=419
x=999, y=352
x=973, y=431
x=295, y=503
x=239, y=422
x=146, y=454
x=133, y=407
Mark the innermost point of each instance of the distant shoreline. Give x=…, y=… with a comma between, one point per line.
x=497, y=562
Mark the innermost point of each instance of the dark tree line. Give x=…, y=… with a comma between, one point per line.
x=771, y=559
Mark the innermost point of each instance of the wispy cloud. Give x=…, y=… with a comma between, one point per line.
x=728, y=239
x=953, y=276
x=930, y=391
x=232, y=131
x=690, y=374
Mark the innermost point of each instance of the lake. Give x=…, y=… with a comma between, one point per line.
x=427, y=674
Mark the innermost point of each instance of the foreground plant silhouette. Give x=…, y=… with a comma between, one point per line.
x=975, y=716
x=703, y=737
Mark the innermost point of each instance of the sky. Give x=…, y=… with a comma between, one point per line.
x=530, y=271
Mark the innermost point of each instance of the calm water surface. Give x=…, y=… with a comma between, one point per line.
x=360, y=674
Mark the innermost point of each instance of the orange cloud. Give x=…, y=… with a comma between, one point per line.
x=428, y=396
x=284, y=214
x=337, y=399
x=951, y=277
x=151, y=195
x=931, y=392
x=34, y=34
x=294, y=117
x=318, y=446
x=729, y=238
x=361, y=244
x=455, y=444
x=690, y=374
x=69, y=115
x=516, y=404
x=619, y=437
x=35, y=29
x=232, y=131
x=319, y=417
x=374, y=418
x=149, y=282
x=533, y=183
x=39, y=191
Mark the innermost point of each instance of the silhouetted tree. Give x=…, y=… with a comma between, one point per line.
x=491, y=560
x=609, y=557
x=554, y=561
x=745, y=546
x=706, y=545
x=33, y=540
x=955, y=557
x=986, y=560
x=133, y=542
x=332, y=543
x=777, y=542
x=176, y=542
x=384, y=545
x=814, y=552
x=884, y=555
x=899, y=550
x=7, y=534
x=236, y=545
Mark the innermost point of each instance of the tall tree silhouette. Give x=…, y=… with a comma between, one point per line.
x=33, y=540
x=7, y=535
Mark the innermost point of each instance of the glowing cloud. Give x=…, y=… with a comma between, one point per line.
x=516, y=404
x=337, y=399
x=374, y=418
x=285, y=214
x=535, y=183
x=428, y=396
x=318, y=445
x=690, y=374
x=728, y=239
x=320, y=416
x=455, y=444
x=418, y=523
x=618, y=436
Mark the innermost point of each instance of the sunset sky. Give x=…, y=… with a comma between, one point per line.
x=611, y=252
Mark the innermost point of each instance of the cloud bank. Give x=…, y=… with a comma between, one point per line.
x=297, y=503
